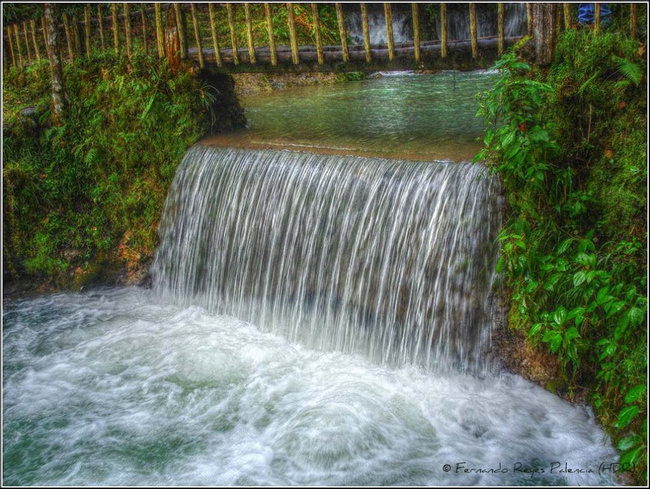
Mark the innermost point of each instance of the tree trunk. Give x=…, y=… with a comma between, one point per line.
x=56, y=69
x=543, y=32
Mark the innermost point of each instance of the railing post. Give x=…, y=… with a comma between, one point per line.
x=529, y=18
x=249, y=34
x=319, y=41
x=596, y=18
x=160, y=33
x=366, y=32
x=77, y=37
x=567, y=15
x=443, y=30
x=213, y=30
x=116, y=30
x=416, y=31
x=68, y=35
x=342, y=33
x=197, y=36
x=291, y=21
x=233, y=36
x=172, y=41
x=19, y=46
x=127, y=29
x=472, y=30
x=87, y=29
x=143, y=16
x=29, y=52
x=388, y=15
x=100, y=21
x=11, y=46
x=32, y=23
x=501, y=29
x=633, y=22
x=181, y=30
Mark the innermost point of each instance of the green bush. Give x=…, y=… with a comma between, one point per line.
x=570, y=146
x=92, y=190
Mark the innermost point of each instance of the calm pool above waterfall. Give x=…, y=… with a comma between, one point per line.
x=416, y=117
x=315, y=319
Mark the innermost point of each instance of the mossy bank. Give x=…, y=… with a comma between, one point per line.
x=82, y=200
x=569, y=142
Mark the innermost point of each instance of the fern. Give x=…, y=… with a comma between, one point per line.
x=631, y=70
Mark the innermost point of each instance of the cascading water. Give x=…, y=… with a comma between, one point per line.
x=315, y=320
x=391, y=258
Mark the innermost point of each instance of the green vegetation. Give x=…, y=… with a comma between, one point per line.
x=569, y=143
x=85, y=197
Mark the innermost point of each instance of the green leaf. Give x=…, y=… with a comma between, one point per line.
x=626, y=416
x=534, y=329
x=564, y=245
x=635, y=315
x=628, y=442
x=632, y=457
x=572, y=333
x=634, y=394
x=555, y=343
x=579, y=278
x=560, y=315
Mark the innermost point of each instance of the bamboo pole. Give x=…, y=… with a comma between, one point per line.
x=388, y=15
x=197, y=35
x=416, y=31
x=215, y=40
x=29, y=52
x=472, y=29
x=558, y=18
x=249, y=34
x=19, y=48
x=32, y=24
x=68, y=35
x=567, y=15
x=233, y=37
x=87, y=28
x=127, y=30
x=501, y=29
x=366, y=32
x=633, y=21
x=116, y=32
x=47, y=47
x=269, y=30
x=143, y=16
x=77, y=38
x=291, y=21
x=100, y=22
x=319, y=41
x=596, y=18
x=160, y=33
x=11, y=46
x=181, y=30
x=529, y=18
x=342, y=33
x=443, y=30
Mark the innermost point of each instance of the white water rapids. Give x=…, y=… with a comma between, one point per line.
x=113, y=387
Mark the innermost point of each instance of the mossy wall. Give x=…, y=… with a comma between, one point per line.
x=82, y=200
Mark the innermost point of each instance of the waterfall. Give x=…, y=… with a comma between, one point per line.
x=389, y=258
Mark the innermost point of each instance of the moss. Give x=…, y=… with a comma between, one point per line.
x=75, y=191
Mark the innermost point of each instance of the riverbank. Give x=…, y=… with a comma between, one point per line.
x=569, y=142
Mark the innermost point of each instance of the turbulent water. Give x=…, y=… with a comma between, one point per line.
x=387, y=257
x=316, y=319
x=114, y=387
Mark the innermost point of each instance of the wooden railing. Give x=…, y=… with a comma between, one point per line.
x=25, y=41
